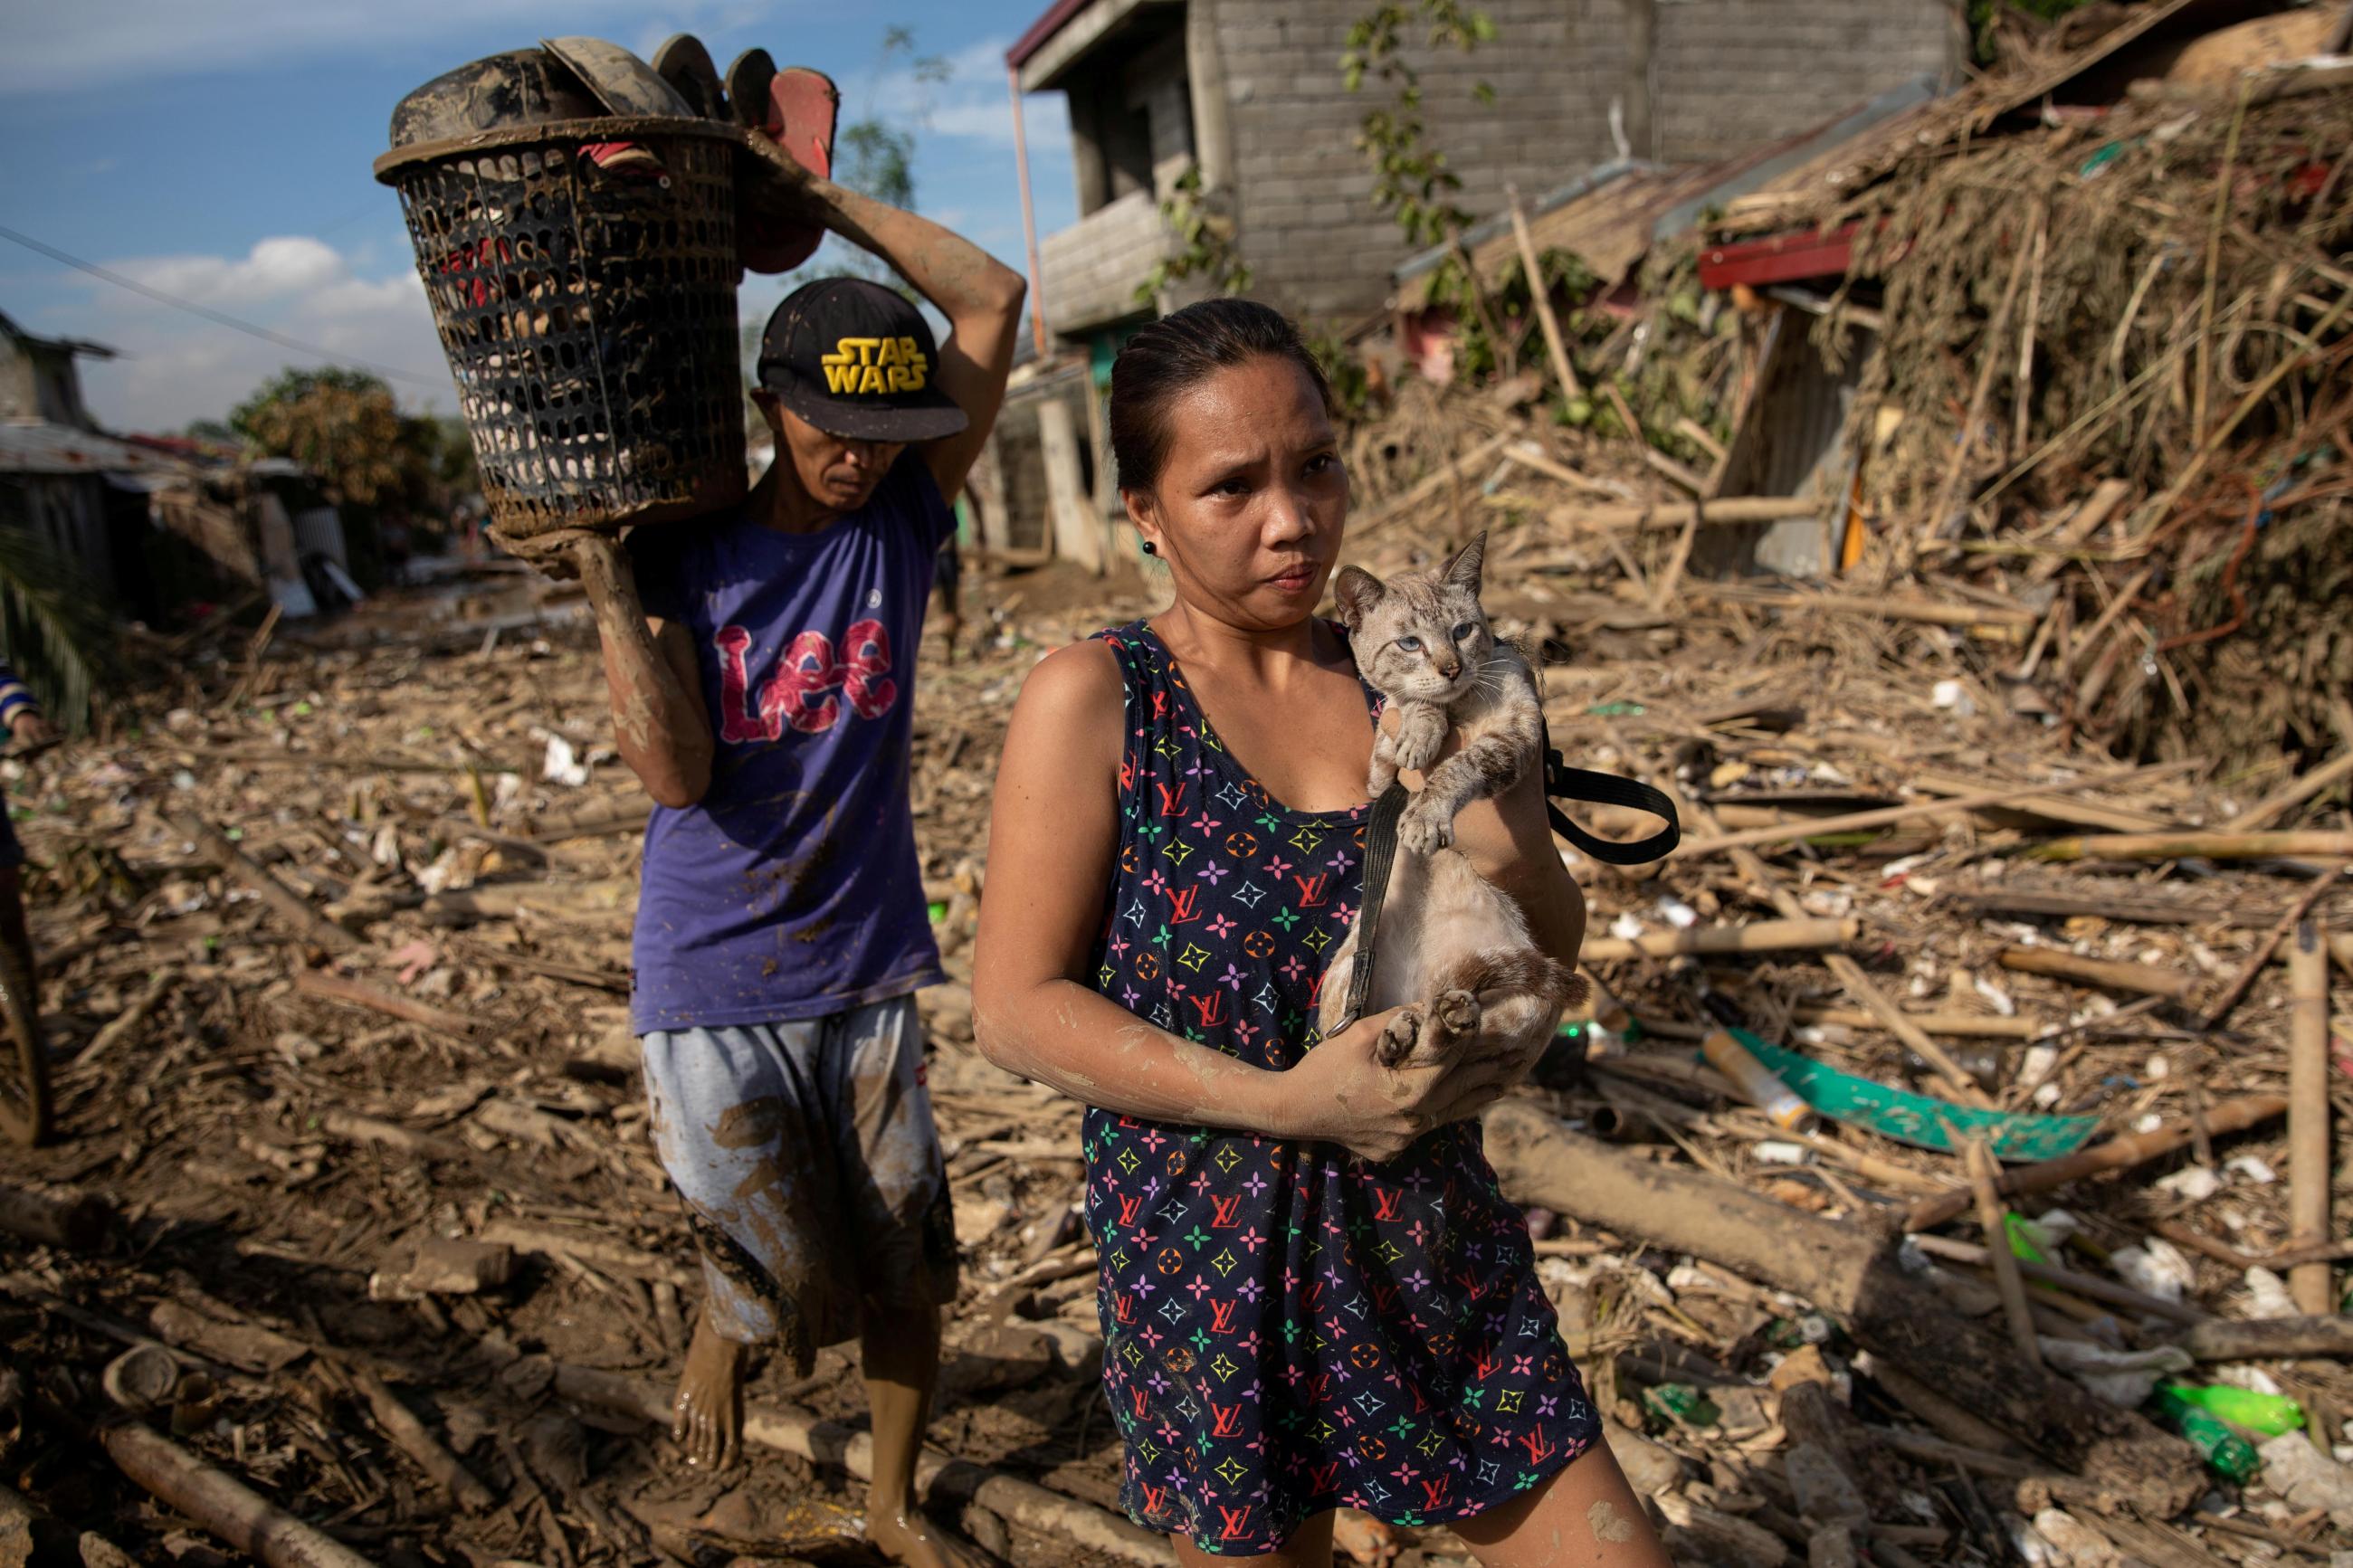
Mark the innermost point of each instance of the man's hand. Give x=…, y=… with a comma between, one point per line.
x=31, y=727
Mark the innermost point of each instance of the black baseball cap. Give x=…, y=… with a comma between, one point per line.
x=856, y=360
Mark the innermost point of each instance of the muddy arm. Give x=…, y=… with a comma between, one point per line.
x=980, y=296
x=659, y=719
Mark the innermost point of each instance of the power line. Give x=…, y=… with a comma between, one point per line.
x=209, y=314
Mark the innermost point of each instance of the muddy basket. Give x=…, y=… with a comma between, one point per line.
x=588, y=311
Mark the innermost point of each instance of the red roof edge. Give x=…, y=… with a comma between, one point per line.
x=1056, y=18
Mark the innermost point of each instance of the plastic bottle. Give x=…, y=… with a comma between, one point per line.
x=1757, y=1082
x=2226, y=1453
x=2269, y=1413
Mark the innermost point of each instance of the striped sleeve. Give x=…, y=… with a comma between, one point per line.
x=16, y=697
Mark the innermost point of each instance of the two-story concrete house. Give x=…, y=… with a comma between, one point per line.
x=1251, y=91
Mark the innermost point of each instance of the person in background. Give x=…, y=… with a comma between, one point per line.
x=22, y=717
x=761, y=664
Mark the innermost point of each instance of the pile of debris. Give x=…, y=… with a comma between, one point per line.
x=335, y=946
x=2068, y=345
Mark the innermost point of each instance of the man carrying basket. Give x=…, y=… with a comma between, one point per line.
x=781, y=930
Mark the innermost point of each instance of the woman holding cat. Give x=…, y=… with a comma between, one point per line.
x=1312, y=1294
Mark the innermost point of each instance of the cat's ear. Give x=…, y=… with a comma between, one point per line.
x=1463, y=572
x=1356, y=591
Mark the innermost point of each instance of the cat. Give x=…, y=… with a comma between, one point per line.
x=1454, y=949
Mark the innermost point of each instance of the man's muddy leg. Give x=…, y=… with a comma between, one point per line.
x=901, y=1350
x=707, y=1416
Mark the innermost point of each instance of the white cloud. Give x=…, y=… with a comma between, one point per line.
x=176, y=367
x=275, y=268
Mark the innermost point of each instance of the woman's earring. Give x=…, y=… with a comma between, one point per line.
x=1150, y=548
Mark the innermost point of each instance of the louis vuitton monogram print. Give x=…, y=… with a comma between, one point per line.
x=1288, y=1329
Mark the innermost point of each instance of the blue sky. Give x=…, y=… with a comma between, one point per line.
x=220, y=153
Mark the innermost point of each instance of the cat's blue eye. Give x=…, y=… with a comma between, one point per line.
x=1462, y=633
x=1411, y=644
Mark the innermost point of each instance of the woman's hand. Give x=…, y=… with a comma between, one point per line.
x=1340, y=1093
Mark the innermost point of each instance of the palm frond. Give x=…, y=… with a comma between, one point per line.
x=53, y=627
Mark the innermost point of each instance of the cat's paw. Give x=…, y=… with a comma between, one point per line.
x=1398, y=1038
x=1421, y=735
x=1425, y=829
x=1455, y=1015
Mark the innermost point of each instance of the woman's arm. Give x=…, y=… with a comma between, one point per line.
x=1053, y=837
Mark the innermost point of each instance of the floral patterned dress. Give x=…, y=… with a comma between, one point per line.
x=1289, y=1329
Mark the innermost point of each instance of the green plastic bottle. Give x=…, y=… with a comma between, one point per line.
x=2226, y=1453
x=1674, y=1401
x=2269, y=1413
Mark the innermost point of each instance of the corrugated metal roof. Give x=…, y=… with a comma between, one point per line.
x=38, y=446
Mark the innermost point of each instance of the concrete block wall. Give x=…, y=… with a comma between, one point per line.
x=1308, y=227
x=1088, y=272
x=1729, y=73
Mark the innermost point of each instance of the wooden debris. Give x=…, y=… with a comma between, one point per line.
x=51, y=1215
x=2146, y=979
x=2118, y=1153
x=220, y=1504
x=2309, y=1167
x=937, y=1476
x=1757, y=936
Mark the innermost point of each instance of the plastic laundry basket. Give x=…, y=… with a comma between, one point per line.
x=588, y=313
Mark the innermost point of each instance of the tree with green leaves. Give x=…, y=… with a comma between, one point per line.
x=1410, y=179
x=55, y=630
x=342, y=425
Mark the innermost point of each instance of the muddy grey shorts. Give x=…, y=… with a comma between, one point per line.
x=810, y=1168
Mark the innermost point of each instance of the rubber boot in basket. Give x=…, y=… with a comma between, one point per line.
x=582, y=268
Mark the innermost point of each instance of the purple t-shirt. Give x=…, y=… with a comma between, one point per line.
x=792, y=890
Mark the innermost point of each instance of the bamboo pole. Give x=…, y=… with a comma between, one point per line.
x=1642, y=516
x=2195, y=846
x=418, y=1441
x=1990, y=363
x=1570, y=386
x=1967, y=1026
x=1889, y=816
x=2083, y=1285
x=2242, y=982
x=1806, y=935
x=2294, y=792
x=1876, y=1004
x=2308, y=1117
x=2146, y=979
x=1992, y=1220
x=2115, y=1154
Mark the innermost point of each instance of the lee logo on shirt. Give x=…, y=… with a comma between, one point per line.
x=800, y=691
x=859, y=365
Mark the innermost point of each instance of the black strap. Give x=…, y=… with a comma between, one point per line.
x=1565, y=783
x=1561, y=782
x=1380, y=854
